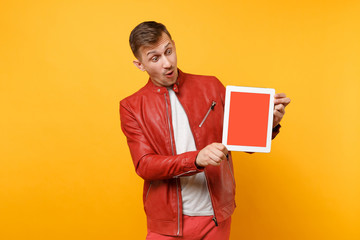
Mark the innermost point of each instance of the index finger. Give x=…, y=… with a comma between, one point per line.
x=284, y=101
x=221, y=147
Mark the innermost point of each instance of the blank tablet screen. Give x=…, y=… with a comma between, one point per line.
x=248, y=119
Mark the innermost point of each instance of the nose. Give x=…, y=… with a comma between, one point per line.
x=166, y=62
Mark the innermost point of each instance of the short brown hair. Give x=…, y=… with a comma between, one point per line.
x=146, y=33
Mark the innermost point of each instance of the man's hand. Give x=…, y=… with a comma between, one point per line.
x=212, y=154
x=280, y=102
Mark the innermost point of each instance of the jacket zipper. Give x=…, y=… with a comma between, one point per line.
x=178, y=203
x=211, y=201
x=173, y=153
x=208, y=112
x=167, y=113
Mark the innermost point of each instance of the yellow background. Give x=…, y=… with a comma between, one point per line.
x=65, y=169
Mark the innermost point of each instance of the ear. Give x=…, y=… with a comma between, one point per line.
x=139, y=65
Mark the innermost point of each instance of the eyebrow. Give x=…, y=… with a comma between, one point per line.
x=154, y=51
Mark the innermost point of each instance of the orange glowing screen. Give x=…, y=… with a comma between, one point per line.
x=248, y=119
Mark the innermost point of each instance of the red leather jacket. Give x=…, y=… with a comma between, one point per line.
x=146, y=122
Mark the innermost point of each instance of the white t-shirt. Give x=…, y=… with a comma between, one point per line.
x=195, y=194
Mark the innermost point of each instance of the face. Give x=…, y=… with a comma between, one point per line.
x=159, y=61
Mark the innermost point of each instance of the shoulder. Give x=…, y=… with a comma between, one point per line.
x=135, y=97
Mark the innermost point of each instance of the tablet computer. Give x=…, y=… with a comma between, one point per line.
x=248, y=119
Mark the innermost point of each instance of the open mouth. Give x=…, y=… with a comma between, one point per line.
x=170, y=74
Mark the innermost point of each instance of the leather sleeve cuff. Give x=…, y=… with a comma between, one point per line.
x=199, y=167
x=275, y=131
x=190, y=162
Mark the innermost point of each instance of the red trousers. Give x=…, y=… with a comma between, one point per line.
x=198, y=228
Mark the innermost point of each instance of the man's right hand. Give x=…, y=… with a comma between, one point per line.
x=212, y=154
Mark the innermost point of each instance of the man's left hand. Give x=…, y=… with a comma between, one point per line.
x=280, y=102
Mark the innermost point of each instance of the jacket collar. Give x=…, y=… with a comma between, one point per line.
x=175, y=87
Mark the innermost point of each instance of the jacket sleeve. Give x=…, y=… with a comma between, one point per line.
x=148, y=164
x=275, y=131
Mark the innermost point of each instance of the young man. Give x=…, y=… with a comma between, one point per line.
x=173, y=127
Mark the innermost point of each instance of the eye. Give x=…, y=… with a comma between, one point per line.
x=154, y=58
x=168, y=51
